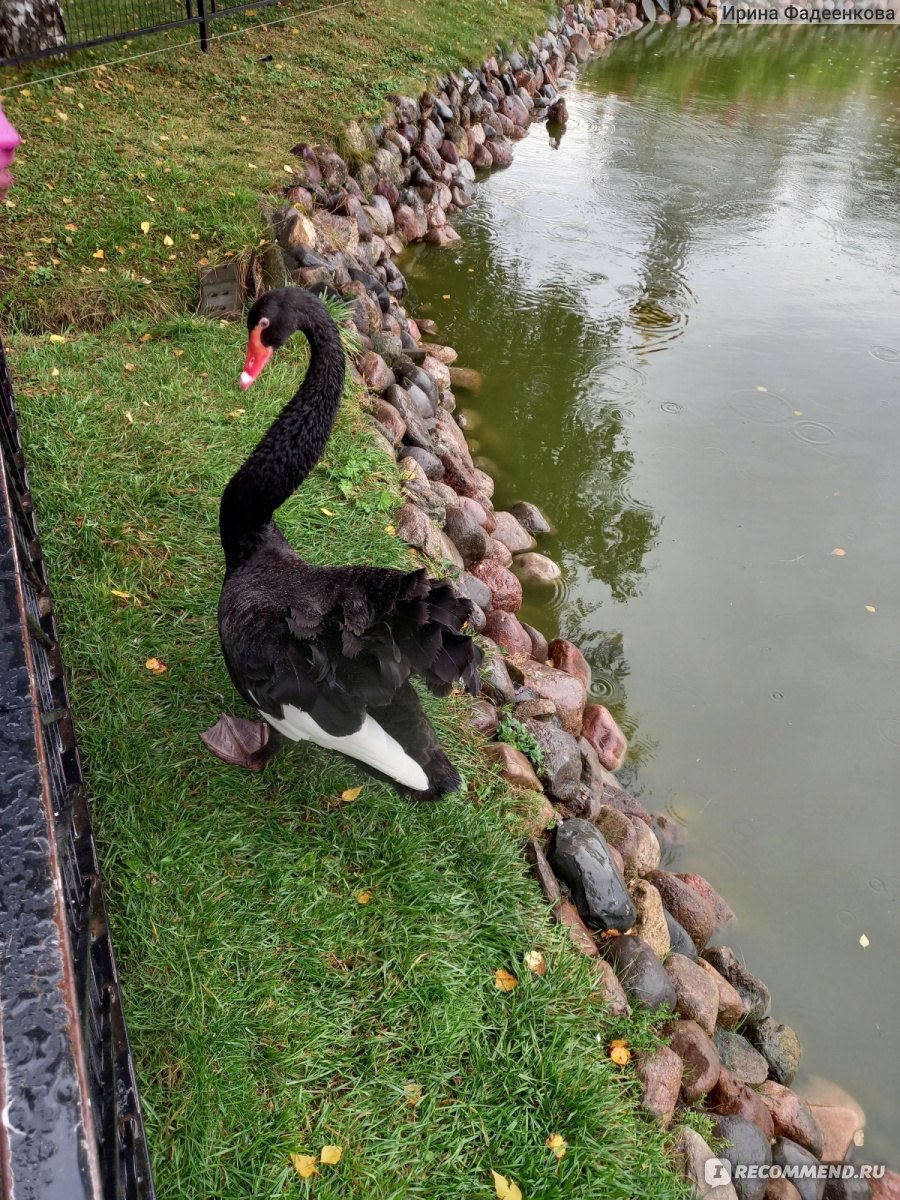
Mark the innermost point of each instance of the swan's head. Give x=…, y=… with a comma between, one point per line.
x=273, y=319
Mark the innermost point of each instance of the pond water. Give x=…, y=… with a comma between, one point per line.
x=687, y=314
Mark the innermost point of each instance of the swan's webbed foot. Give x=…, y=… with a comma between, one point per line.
x=241, y=742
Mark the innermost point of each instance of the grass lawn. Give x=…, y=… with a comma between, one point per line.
x=299, y=969
x=189, y=142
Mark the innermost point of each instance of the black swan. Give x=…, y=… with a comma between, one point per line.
x=326, y=654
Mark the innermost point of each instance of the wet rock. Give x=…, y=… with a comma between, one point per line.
x=476, y=591
x=495, y=680
x=472, y=543
x=538, y=643
x=857, y=1189
x=477, y=510
x=511, y=534
x=485, y=717
x=886, y=1188
x=743, y=1143
x=537, y=568
x=295, y=229
x=787, y=1153
x=580, y=47
x=530, y=517
x=443, y=235
x=413, y=526
x=430, y=463
x=779, y=1189
x=732, y=1098
x=722, y=911
x=542, y=871
x=466, y=378
x=660, y=1074
x=499, y=552
x=640, y=972
x=412, y=225
x=692, y=1154
x=618, y=831
x=537, y=709
x=506, y=631
x=580, y=858
x=481, y=158
x=309, y=173
x=731, y=1007
x=701, y=1061
x=736, y=1053
x=567, y=694
x=678, y=937
x=506, y=591
x=515, y=767
x=650, y=921
x=566, y=656
x=605, y=736
x=375, y=371
x=501, y=152
x=460, y=477
x=647, y=852
x=579, y=934
x=792, y=1117
x=696, y=995
x=689, y=910
x=389, y=419
x=753, y=992
x=614, y=998
x=840, y=1127
x=407, y=109
x=779, y=1046
x=561, y=768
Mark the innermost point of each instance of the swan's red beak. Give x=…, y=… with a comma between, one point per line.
x=257, y=357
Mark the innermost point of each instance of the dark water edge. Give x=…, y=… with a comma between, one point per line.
x=687, y=314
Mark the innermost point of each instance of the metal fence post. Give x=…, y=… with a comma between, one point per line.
x=204, y=24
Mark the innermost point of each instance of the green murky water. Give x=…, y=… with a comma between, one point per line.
x=687, y=313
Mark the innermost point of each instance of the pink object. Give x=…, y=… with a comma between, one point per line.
x=9, y=140
x=605, y=736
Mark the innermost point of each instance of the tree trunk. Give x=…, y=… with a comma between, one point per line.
x=30, y=26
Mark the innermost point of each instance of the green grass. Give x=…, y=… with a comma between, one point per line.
x=190, y=142
x=270, y=1010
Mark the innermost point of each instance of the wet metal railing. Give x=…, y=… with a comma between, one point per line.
x=70, y=1118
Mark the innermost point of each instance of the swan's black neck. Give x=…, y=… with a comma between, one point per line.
x=294, y=443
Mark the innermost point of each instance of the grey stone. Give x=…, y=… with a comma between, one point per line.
x=752, y=991
x=779, y=1046
x=580, y=858
x=530, y=517
x=469, y=538
x=640, y=972
x=787, y=1153
x=561, y=770
x=476, y=591
x=744, y=1143
x=744, y=1063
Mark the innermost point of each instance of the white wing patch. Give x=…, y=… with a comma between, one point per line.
x=370, y=744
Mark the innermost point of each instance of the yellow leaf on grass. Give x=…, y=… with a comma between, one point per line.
x=330, y=1155
x=178, y=353
x=146, y=337
x=619, y=1052
x=57, y=339
x=351, y=793
x=304, y=1165
x=535, y=962
x=130, y=367
x=389, y=529
x=837, y=552
x=71, y=226
x=128, y=417
x=327, y=512
x=55, y=371
x=121, y=595
x=363, y=897
x=503, y=981
x=506, y=1189
x=98, y=254
x=238, y=412
x=156, y=665
x=167, y=241
x=557, y=1143
x=145, y=226
x=412, y=1093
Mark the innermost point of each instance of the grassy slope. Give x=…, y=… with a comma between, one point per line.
x=271, y=1011
x=188, y=142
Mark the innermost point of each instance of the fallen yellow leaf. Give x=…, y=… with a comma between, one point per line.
x=146, y=337
x=871, y=608
x=145, y=226
x=389, y=529
x=363, y=897
x=71, y=226
x=863, y=940
x=330, y=1155
x=503, y=981
x=557, y=1143
x=535, y=962
x=412, y=1093
x=55, y=371
x=156, y=665
x=837, y=552
x=447, y=297
x=57, y=338
x=121, y=595
x=327, y=512
x=506, y=1189
x=178, y=353
x=238, y=412
x=130, y=367
x=98, y=254
x=351, y=793
x=304, y=1165
x=128, y=417
x=167, y=241
x=619, y=1052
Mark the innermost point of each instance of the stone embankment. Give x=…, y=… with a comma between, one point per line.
x=595, y=849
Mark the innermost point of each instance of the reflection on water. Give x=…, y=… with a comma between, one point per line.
x=687, y=314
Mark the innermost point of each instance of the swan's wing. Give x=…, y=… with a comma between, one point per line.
x=336, y=662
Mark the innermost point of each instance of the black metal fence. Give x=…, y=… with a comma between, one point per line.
x=72, y=1126
x=69, y=25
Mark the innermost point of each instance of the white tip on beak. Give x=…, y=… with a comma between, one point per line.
x=245, y=380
